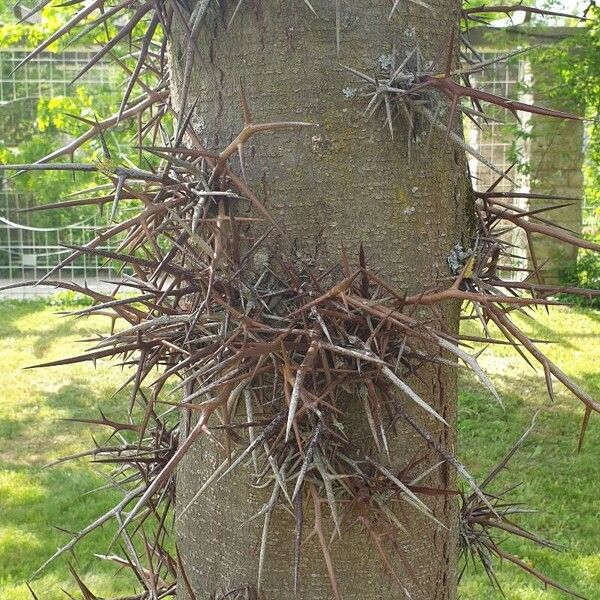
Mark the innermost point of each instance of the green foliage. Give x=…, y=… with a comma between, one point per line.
x=518, y=137
x=37, y=122
x=585, y=273
x=30, y=35
x=26, y=35
x=16, y=122
x=69, y=299
x=55, y=122
x=575, y=64
x=32, y=127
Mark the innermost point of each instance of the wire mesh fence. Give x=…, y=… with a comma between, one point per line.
x=495, y=142
x=28, y=252
x=48, y=74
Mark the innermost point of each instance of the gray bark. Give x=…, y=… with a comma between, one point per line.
x=340, y=185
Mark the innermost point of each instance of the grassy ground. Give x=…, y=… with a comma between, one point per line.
x=34, y=501
x=563, y=485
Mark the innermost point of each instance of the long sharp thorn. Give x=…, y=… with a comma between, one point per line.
x=267, y=433
x=408, y=391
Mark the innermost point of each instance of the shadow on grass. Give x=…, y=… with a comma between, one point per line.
x=35, y=502
x=539, y=331
x=43, y=432
x=41, y=502
x=38, y=507
x=551, y=477
x=12, y=310
x=64, y=326
x=53, y=329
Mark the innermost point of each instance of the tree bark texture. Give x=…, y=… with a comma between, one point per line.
x=332, y=187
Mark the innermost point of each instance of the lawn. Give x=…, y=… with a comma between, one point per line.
x=34, y=501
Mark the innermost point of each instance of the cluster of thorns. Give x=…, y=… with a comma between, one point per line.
x=270, y=359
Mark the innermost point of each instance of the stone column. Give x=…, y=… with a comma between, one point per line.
x=556, y=161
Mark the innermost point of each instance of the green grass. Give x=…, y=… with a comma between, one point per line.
x=33, y=501
x=562, y=485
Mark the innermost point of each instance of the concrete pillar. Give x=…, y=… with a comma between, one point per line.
x=556, y=159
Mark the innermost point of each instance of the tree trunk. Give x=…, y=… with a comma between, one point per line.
x=332, y=187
